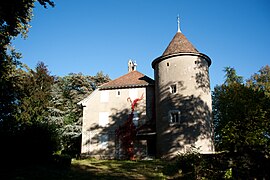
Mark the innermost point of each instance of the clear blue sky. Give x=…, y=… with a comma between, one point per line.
x=89, y=36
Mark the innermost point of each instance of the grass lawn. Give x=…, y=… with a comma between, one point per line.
x=91, y=169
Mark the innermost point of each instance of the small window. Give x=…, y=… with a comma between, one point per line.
x=168, y=64
x=118, y=93
x=135, y=119
x=173, y=88
x=103, y=141
x=174, y=117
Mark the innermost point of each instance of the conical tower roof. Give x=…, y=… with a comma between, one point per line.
x=179, y=44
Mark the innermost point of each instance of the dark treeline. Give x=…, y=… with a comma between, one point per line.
x=39, y=116
x=45, y=118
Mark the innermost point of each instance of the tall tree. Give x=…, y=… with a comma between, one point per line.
x=241, y=114
x=261, y=80
x=14, y=20
x=35, y=94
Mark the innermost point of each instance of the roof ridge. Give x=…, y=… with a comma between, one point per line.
x=131, y=79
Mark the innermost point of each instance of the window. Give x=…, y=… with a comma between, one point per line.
x=103, y=141
x=173, y=88
x=103, y=119
x=135, y=119
x=168, y=64
x=174, y=116
x=118, y=93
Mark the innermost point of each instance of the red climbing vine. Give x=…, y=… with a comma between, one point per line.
x=126, y=133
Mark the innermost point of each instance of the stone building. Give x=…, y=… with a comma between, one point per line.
x=108, y=107
x=174, y=116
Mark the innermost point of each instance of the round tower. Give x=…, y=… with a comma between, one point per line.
x=183, y=99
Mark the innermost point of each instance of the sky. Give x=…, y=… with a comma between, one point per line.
x=89, y=36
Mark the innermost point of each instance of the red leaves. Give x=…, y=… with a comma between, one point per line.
x=127, y=132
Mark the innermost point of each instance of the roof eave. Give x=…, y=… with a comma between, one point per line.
x=127, y=86
x=161, y=58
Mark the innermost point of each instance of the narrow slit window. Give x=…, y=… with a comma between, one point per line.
x=118, y=93
x=173, y=88
x=168, y=64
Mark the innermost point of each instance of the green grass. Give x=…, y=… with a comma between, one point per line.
x=91, y=169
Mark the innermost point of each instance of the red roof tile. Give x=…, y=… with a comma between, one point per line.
x=131, y=79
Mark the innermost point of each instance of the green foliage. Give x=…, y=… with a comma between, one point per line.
x=9, y=93
x=241, y=117
x=66, y=92
x=241, y=114
x=14, y=20
x=15, y=17
x=193, y=165
x=261, y=80
x=35, y=87
x=231, y=76
x=228, y=174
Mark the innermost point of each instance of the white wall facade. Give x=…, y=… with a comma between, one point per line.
x=102, y=115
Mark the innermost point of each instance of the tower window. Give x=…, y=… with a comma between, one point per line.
x=173, y=88
x=168, y=64
x=174, y=117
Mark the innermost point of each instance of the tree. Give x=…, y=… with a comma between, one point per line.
x=261, y=80
x=241, y=114
x=14, y=20
x=241, y=118
x=29, y=129
x=35, y=94
x=231, y=76
x=66, y=92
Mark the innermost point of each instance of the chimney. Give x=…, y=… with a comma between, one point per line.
x=131, y=65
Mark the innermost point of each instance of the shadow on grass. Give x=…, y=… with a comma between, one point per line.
x=89, y=169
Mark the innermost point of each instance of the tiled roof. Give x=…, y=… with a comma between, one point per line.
x=179, y=44
x=131, y=79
